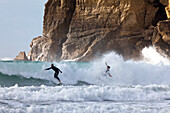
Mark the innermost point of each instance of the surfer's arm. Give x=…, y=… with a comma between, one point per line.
x=106, y=64
x=60, y=70
x=48, y=68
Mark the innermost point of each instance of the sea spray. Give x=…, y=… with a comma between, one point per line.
x=6, y=59
x=136, y=86
x=152, y=56
x=123, y=72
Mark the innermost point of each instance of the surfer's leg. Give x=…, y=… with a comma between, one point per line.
x=56, y=76
x=109, y=74
x=58, y=79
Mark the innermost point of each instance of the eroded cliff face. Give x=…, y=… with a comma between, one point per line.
x=161, y=34
x=57, y=18
x=85, y=29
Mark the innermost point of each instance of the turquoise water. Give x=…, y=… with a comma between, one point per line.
x=25, y=87
x=25, y=73
x=124, y=73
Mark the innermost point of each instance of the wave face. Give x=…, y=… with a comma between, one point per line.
x=11, y=80
x=123, y=72
x=143, y=87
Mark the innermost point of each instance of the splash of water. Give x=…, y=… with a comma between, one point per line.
x=123, y=72
x=152, y=56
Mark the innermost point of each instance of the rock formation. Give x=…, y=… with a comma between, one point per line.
x=168, y=10
x=21, y=57
x=161, y=35
x=86, y=29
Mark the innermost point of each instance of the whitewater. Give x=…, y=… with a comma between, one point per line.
x=135, y=86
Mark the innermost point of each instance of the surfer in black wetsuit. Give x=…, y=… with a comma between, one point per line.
x=57, y=70
x=108, y=70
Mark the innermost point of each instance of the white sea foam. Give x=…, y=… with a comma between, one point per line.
x=86, y=93
x=152, y=56
x=83, y=99
x=6, y=59
x=90, y=107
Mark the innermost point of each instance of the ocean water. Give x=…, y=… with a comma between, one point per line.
x=135, y=87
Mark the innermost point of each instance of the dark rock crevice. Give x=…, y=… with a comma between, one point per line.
x=160, y=14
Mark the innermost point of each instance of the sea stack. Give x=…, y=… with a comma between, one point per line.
x=21, y=57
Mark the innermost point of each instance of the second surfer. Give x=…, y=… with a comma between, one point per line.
x=107, y=72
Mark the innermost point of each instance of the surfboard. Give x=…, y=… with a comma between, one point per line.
x=59, y=84
x=105, y=74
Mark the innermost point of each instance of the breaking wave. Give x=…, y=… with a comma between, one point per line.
x=123, y=72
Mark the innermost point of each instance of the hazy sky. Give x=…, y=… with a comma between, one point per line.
x=20, y=22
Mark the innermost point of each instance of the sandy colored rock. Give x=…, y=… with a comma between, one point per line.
x=40, y=49
x=161, y=38
x=168, y=10
x=21, y=57
x=101, y=26
x=164, y=30
x=86, y=29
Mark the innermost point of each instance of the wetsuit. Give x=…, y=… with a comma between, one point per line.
x=108, y=72
x=56, y=72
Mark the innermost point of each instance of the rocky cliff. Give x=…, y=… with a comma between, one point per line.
x=86, y=29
